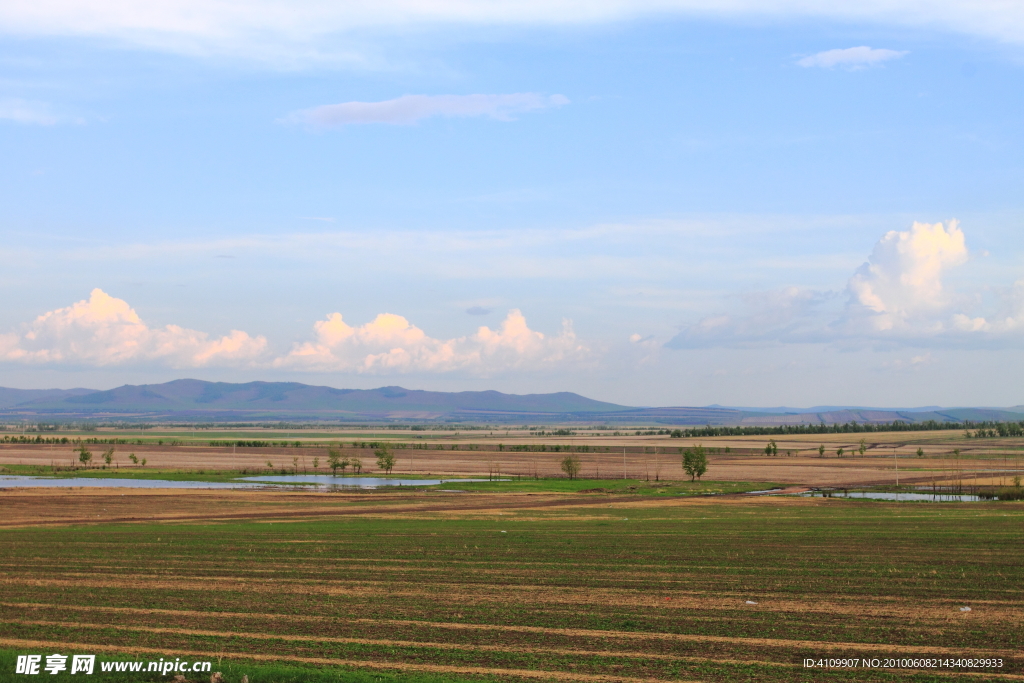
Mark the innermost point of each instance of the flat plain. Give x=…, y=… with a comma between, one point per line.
x=577, y=587
x=527, y=579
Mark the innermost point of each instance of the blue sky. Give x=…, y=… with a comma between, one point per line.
x=653, y=203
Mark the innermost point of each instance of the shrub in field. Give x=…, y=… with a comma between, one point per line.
x=571, y=465
x=84, y=455
x=134, y=458
x=821, y=451
x=108, y=456
x=357, y=465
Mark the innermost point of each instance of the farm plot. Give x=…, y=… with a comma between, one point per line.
x=710, y=590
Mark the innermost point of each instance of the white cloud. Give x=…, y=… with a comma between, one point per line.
x=297, y=31
x=105, y=331
x=390, y=343
x=23, y=111
x=409, y=109
x=851, y=57
x=900, y=286
x=899, y=296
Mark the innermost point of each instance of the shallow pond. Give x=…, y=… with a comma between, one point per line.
x=308, y=481
x=930, y=497
x=13, y=481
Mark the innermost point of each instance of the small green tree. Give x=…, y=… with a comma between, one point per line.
x=357, y=465
x=839, y=452
x=571, y=466
x=920, y=452
x=316, y=462
x=84, y=455
x=143, y=462
x=385, y=458
x=821, y=451
x=334, y=460
x=134, y=458
x=863, y=446
x=108, y=456
x=695, y=462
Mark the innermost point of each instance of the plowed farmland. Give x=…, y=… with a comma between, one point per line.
x=719, y=589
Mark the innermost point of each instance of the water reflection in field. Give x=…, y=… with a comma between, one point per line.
x=889, y=495
x=303, y=481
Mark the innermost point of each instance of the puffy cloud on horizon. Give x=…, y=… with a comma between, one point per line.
x=409, y=109
x=105, y=331
x=850, y=58
x=898, y=295
x=390, y=343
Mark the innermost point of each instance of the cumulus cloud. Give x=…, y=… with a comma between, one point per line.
x=106, y=331
x=899, y=296
x=850, y=58
x=409, y=109
x=390, y=343
x=294, y=31
x=23, y=111
x=900, y=286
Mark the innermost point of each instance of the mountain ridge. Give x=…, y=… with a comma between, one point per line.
x=199, y=400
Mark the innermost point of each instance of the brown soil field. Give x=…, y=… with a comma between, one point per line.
x=806, y=469
x=573, y=587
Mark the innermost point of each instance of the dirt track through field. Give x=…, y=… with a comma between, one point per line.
x=938, y=610
x=362, y=664
x=604, y=635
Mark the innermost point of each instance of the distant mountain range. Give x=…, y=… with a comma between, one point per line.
x=190, y=399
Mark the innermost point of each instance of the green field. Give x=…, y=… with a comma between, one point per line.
x=654, y=591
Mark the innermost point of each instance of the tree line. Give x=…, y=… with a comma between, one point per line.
x=986, y=428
